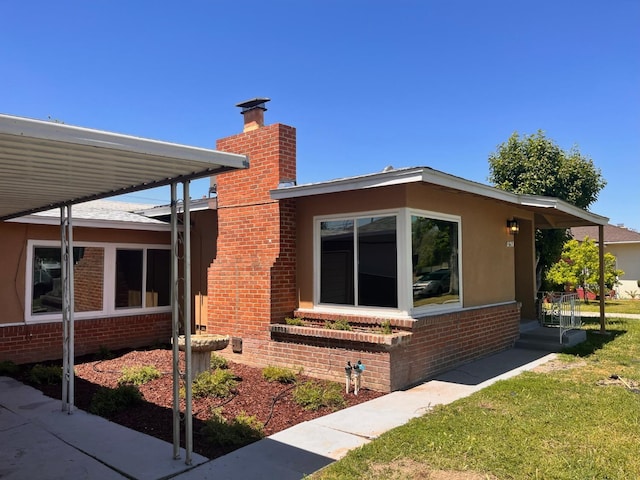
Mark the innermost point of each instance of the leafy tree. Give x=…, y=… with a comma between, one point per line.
x=579, y=266
x=534, y=164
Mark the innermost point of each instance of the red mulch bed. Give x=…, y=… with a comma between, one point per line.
x=270, y=402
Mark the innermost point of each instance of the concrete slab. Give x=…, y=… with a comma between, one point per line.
x=325, y=441
x=267, y=459
x=28, y=453
x=496, y=367
x=123, y=450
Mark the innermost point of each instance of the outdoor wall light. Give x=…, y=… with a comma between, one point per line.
x=512, y=226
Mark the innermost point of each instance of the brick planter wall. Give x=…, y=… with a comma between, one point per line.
x=437, y=343
x=38, y=342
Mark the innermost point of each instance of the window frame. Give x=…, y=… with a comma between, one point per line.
x=403, y=261
x=426, y=309
x=108, y=282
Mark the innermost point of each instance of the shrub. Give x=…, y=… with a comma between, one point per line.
x=338, y=325
x=278, y=374
x=45, y=374
x=7, y=367
x=104, y=353
x=108, y=401
x=218, y=383
x=242, y=430
x=138, y=375
x=313, y=395
x=295, y=321
x=218, y=361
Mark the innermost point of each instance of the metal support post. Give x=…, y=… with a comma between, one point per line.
x=187, y=324
x=68, y=333
x=603, y=328
x=175, y=323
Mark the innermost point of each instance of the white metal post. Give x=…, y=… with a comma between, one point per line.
x=187, y=323
x=68, y=333
x=175, y=323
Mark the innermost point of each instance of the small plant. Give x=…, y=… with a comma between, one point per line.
x=45, y=374
x=218, y=361
x=295, y=321
x=633, y=294
x=108, y=401
x=278, y=374
x=313, y=395
x=218, y=383
x=138, y=375
x=7, y=367
x=104, y=353
x=385, y=328
x=340, y=324
x=242, y=430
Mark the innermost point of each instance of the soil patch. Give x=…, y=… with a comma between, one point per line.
x=270, y=402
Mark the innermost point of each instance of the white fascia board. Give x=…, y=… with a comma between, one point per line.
x=382, y=179
x=39, y=129
x=394, y=177
x=562, y=206
x=445, y=180
x=87, y=223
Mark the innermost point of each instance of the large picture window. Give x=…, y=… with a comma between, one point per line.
x=131, y=280
x=107, y=278
x=406, y=260
x=88, y=267
x=358, y=262
x=434, y=258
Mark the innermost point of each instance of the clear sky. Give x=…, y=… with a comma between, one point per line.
x=367, y=83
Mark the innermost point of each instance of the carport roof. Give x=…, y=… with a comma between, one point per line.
x=45, y=165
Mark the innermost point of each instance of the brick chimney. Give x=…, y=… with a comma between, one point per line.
x=252, y=281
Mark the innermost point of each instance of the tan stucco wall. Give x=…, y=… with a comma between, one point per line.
x=488, y=264
x=13, y=255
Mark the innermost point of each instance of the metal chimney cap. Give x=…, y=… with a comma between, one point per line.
x=257, y=102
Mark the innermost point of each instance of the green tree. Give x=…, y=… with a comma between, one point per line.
x=579, y=266
x=534, y=164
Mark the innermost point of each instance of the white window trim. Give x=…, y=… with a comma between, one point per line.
x=404, y=267
x=108, y=282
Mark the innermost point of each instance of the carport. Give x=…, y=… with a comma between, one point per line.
x=49, y=165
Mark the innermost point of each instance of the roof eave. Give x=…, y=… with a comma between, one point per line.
x=93, y=223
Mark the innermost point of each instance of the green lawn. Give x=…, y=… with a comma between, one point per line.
x=612, y=306
x=572, y=421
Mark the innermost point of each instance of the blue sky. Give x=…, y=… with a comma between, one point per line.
x=366, y=83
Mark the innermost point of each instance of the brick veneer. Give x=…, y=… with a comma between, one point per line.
x=437, y=343
x=43, y=341
x=252, y=281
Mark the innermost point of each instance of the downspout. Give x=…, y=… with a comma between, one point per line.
x=601, y=285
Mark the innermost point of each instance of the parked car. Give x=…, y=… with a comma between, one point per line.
x=432, y=283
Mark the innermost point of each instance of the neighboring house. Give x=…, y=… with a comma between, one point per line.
x=624, y=244
x=431, y=256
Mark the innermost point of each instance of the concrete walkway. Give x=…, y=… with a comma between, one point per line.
x=39, y=441
x=611, y=315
